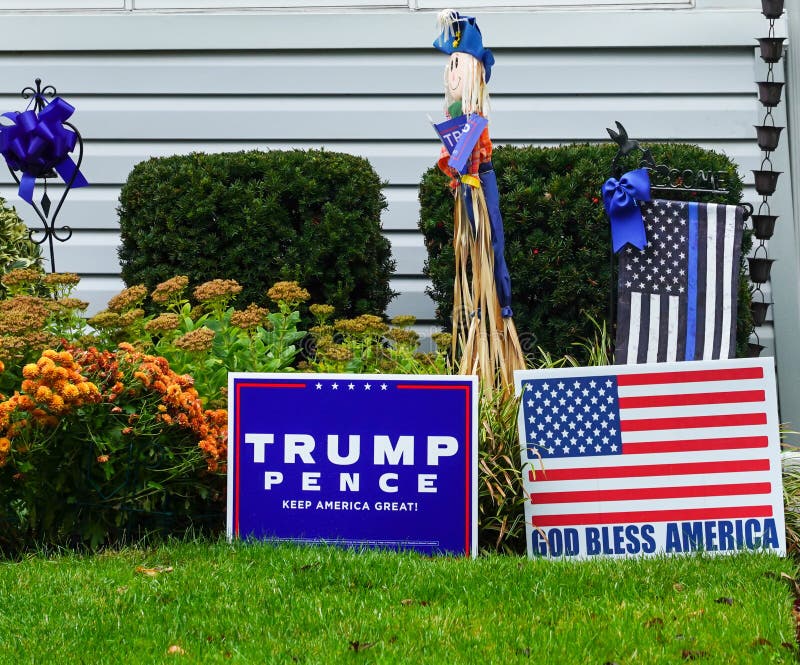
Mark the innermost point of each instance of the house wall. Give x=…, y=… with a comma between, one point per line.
x=149, y=82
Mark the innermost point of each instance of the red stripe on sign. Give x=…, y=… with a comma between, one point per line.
x=691, y=376
x=684, y=446
x=403, y=386
x=732, y=397
x=638, y=516
x=686, y=422
x=262, y=384
x=644, y=493
x=640, y=471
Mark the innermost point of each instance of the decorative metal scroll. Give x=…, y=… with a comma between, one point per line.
x=668, y=178
x=49, y=232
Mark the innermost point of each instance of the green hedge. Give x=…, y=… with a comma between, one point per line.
x=260, y=217
x=16, y=248
x=558, y=238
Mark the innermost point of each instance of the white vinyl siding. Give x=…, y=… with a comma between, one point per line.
x=363, y=82
x=374, y=104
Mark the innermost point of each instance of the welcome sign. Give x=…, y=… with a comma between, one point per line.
x=361, y=460
x=657, y=458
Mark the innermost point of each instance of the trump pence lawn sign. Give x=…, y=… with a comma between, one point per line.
x=360, y=460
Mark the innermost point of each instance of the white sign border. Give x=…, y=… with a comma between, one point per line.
x=771, y=409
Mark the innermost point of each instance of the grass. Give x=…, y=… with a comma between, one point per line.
x=203, y=602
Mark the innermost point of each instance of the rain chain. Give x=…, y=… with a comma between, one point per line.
x=766, y=178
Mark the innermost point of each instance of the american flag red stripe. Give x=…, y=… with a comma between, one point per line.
x=731, y=397
x=691, y=376
x=665, y=442
x=652, y=493
x=636, y=517
x=730, y=443
x=647, y=470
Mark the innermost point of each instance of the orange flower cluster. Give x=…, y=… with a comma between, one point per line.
x=180, y=403
x=57, y=384
x=51, y=387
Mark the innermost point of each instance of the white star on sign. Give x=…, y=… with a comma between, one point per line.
x=335, y=386
x=319, y=386
x=351, y=386
x=367, y=386
x=384, y=386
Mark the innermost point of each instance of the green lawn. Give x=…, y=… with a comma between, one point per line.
x=255, y=603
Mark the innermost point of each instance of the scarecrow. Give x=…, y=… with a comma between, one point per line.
x=483, y=328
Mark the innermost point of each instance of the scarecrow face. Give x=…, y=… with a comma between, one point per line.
x=457, y=72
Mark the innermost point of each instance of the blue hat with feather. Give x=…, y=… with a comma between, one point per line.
x=461, y=34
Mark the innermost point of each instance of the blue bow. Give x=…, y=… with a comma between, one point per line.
x=621, y=199
x=36, y=144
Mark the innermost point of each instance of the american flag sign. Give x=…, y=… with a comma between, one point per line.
x=643, y=459
x=677, y=297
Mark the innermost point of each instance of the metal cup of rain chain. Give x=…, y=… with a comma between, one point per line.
x=772, y=8
x=759, y=269
x=768, y=136
x=771, y=48
x=764, y=226
x=769, y=92
x=766, y=182
x=759, y=312
x=754, y=350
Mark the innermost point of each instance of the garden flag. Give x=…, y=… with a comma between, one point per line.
x=677, y=297
x=641, y=459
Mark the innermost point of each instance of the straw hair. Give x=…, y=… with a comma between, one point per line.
x=447, y=20
x=488, y=344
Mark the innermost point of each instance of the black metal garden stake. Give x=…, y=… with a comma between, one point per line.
x=38, y=97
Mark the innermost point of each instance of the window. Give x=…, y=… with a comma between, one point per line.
x=259, y=4
x=591, y=4
x=62, y=4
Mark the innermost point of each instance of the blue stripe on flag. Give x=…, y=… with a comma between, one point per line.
x=691, y=301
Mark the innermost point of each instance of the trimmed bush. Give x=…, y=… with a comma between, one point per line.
x=558, y=238
x=260, y=217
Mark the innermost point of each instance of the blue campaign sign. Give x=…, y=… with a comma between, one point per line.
x=459, y=136
x=372, y=460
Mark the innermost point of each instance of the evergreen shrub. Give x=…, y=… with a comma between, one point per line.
x=16, y=248
x=558, y=237
x=259, y=218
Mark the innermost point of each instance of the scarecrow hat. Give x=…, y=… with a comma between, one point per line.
x=461, y=34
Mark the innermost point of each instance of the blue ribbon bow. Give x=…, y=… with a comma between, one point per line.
x=621, y=199
x=36, y=144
